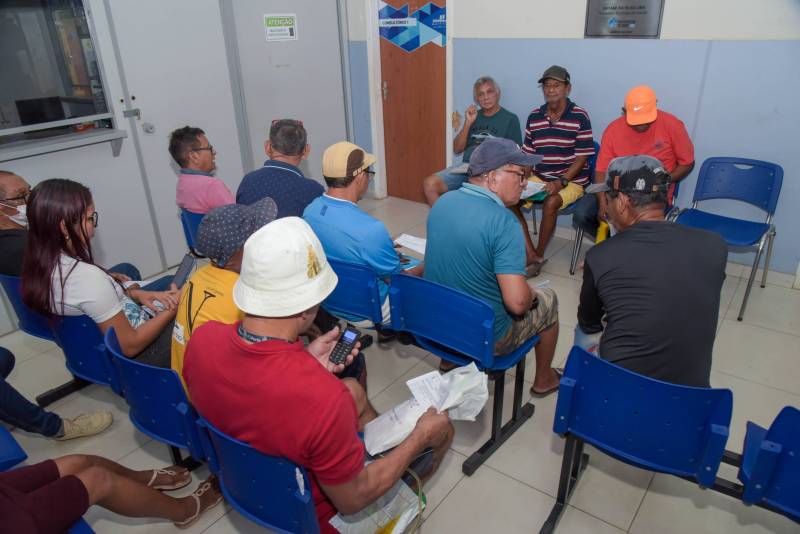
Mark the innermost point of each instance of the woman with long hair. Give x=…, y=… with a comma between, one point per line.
x=60, y=276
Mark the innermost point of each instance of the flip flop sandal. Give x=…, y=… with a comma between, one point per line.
x=196, y=494
x=542, y=394
x=178, y=484
x=534, y=268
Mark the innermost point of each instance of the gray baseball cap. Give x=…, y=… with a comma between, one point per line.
x=224, y=230
x=496, y=152
x=633, y=173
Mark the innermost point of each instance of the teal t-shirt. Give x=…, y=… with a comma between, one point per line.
x=473, y=237
x=502, y=124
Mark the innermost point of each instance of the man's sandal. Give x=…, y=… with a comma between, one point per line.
x=196, y=494
x=170, y=471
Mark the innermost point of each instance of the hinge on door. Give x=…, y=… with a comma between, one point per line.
x=127, y=113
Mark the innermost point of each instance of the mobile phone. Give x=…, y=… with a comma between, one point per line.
x=184, y=270
x=346, y=342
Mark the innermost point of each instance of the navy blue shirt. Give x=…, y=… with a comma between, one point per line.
x=282, y=182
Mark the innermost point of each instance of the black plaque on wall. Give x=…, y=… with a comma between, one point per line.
x=624, y=18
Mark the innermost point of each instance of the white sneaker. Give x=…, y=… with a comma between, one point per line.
x=86, y=424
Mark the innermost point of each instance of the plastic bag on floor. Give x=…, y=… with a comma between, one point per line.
x=392, y=513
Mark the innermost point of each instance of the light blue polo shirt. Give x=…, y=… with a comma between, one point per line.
x=473, y=237
x=350, y=234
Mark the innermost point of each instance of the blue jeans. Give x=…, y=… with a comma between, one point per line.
x=18, y=411
x=129, y=270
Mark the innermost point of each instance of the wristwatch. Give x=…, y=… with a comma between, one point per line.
x=563, y=181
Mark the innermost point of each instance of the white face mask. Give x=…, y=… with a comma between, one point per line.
x=21, y=217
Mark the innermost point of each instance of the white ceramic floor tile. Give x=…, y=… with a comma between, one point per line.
x=369, y=203
x=386, y=362
x=559, y=255
x=772, y=307
x=675, y=506
x=566, y=336
x=397, y=391
x=400, y=215
x=751, y=402
x=118, y=440
x=40, y=373
x=729, y=287
x=775, y=278
x=568, y=292
x=759, y=355
x=24, y=346
x=235, y=523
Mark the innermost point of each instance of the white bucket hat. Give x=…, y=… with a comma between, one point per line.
x=284, y=270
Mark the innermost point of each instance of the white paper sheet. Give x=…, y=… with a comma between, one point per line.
x=417, y=244
x=429, y=389
x=531, y=188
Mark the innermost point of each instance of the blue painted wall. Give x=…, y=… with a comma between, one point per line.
x=737, y=98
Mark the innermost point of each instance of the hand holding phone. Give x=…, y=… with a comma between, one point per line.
x=344, y=346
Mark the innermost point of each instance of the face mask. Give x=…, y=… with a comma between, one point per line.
x=21, y=217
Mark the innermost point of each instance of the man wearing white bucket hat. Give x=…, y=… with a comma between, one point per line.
x=256, y=381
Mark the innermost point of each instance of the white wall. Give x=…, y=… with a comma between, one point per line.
x=683, y=19
x=356, y=19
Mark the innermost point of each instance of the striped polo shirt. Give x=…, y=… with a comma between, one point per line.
x=561, y=141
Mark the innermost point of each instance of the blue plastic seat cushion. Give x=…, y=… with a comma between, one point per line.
x=737, y=233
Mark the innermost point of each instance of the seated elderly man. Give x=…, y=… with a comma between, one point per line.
x=255, y=380
x=347, y=232
x=475, y=244
x=14, y=193
x=487, y=120
x=281, y=178
x=650, y=294
x=198, y=190
x=208, y=295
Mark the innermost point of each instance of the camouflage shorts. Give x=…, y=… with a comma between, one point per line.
x=534, y=321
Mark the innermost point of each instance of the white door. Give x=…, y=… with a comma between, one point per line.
x=176, y=72
x=297, y=78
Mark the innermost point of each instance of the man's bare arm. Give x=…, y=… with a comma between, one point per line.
x=681, y=171
x=517, y=294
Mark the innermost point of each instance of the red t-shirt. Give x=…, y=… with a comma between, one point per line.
x=278, y=398
x=666, y=140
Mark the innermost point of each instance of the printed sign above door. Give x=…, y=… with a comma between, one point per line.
x=426, y=25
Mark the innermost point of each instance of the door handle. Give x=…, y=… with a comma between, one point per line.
x=385, y=90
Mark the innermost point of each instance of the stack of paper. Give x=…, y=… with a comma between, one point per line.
x=417, y=244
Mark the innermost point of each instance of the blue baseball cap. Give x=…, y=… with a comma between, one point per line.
x=496, y=152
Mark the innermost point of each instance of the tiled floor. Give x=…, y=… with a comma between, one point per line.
x=514, y=491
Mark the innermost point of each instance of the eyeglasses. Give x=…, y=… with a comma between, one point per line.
x=370, y=174
x=519, y=174
x=553, y=85
x=95, y=218
x=292, y=121
x=210, y=148
x=23, y=197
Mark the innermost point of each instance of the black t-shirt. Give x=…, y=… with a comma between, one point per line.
x=658, y=284
x=12, y=246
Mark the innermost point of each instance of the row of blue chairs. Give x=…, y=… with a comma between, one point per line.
x=668, y=428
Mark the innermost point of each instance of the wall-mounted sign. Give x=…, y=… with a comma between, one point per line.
x=281, y=27
x=426, y=25
x=624, y=18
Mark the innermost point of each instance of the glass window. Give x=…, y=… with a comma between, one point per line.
x=50, y=69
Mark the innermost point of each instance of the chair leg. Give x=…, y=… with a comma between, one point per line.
x=57, y=393
x=500, y=433
x=769, y=257
x=177, y=459
x=572, y=466
x=533, y=219
x=752, y=277
x=576, y=249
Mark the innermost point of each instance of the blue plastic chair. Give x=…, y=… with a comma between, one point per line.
x=191, y=222
x=10, y=452
x=30, y=322
x=81, y=527
x=82, y=342
x=746, y=180
x=459, y=328
x=356, y=293
x=641, y=421
x=158, y=406
x=270, y=491
x=770, y=469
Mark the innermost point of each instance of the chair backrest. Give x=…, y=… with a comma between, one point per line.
x=356, y=293
x=652, y=424
x=81, y=527
x=446, y=316
x=593, y=161
x=10, y=452
x=30, y=322
x=156, y=398
x=82, y=342
x=747, y=180
x=783, y=438
x=190, y=222
x=271, y=491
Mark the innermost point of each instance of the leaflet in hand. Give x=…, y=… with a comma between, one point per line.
x=531, y=188
x=417, y=244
